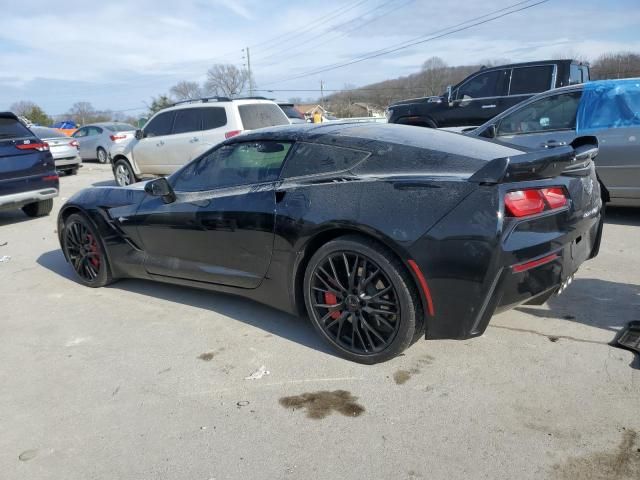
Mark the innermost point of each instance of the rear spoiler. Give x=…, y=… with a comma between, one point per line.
x=547, y=163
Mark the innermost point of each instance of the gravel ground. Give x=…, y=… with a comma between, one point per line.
x=148, y=381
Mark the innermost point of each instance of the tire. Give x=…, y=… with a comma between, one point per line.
x=38, y=209
x=84, y=250
x=123, y=173
x=334, y=305
x=101, y=155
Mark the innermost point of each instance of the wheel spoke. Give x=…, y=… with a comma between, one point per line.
x=331, y=289
x=339, y=320
x=380, y=292
x=378, y=311
x=335, y=274
x=357, y=329
x=329, y=306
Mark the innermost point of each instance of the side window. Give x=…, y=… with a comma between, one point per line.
x=575, y=74
x=315, y=158
x=160, y=125
x=213, y=117
x=80, y=133
x=556, y=112
x=187, y=120
x=236, y=164
x=531, y=79
x=92, y=131
x=490, y=84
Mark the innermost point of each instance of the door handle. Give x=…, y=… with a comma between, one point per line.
x=493, y=105
x=160, y=143
x=194, y=140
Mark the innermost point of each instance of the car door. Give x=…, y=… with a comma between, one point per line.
x=149, y=152
x=611, y=112
x=220, y=227
x=526, y=82
x=183, y=144
x=478, y=99
x=91, y=141
x=545, y=122
x=83, y=142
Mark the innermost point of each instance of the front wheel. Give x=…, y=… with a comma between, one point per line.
x=123, y=173
x=361, y=299
x=85, y=252
x=101, y=155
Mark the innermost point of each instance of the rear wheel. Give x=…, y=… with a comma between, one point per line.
x=38, y=209
x=123, y=173
x=84, y=251
x=101, y=155
x=361, y=299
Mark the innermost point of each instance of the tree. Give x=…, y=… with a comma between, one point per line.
x=185, y=90
x=616, y=65
x=435, y=73
x=226, y=80
x=82, y=113
x=159, y=102
x=32, y=112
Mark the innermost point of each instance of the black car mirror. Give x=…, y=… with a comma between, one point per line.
x=160, y=187
x=139, y=134
x=491, y=131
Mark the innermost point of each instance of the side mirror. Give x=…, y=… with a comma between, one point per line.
x=491, y=131
x=139, y=134
x=450, y=95
x=160, y=187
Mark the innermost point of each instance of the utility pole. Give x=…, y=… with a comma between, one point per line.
x=321, y=94
x=249, y=71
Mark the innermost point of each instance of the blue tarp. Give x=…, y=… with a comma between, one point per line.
x=609, y=104
x=66, y=124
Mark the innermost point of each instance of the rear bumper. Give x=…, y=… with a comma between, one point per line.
x=17, y=200
x=68, y=161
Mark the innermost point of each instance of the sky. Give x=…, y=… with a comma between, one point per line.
x=117, y=54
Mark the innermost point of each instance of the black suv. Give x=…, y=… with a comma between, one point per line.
x=486, y=93
x=28, y=177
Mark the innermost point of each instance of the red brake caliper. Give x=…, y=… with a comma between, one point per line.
x=331, y=299
x=95, y=259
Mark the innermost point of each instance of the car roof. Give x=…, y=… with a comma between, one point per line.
x=371, y=136
x=217, y=102
x=9, y=115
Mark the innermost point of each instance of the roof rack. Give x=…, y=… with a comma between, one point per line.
x=203, y=100
x=251, y=98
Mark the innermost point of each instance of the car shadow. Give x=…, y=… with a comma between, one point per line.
x=270, y=320
x=10, y=217
x=597, y=303
x=623, y=216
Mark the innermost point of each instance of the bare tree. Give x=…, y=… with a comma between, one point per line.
x=31, y=111
x=435, y=73
x=616, y=65
x=185, y=90
x=226, y=80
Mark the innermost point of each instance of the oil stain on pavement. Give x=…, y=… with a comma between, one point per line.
x=621, y=464
x=402, y=376
x=208, y=356
x=323, y=403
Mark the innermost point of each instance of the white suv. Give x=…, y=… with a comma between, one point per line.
x=178, y=134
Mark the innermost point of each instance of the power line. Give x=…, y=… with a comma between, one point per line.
x=334, y=28
x=410, y=43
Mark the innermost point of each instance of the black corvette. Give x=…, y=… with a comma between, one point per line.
x=380, y=233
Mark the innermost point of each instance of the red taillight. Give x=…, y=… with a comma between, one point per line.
x=522, y=203
x=74, y=143
x=555, y=196
x=40, y=146
x=232, y=133
x=50, y=178
x=117, y=137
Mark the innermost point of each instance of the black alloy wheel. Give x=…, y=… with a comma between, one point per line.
x=84, y=251
x=360, y=298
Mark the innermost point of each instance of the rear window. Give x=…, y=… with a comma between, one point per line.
x=261, y=115
x=531, y=79
x=213, y=117
x=43, y=132
x=121, y=127
x=12, y=128
x=315, y=158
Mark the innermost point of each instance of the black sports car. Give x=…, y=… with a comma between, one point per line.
x=379, y=233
